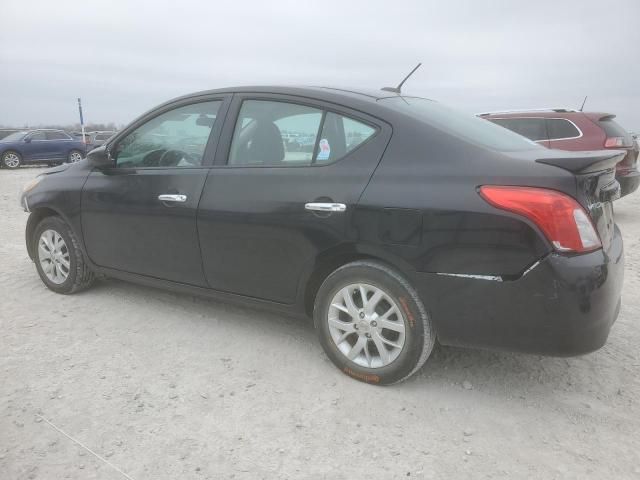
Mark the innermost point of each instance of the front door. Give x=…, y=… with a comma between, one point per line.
x=36, y=146
x=286, y=179
x=139, y=215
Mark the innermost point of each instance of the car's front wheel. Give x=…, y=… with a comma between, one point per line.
x=74, y=156
x=372, y=324
x=11, y=159
x=59, y=260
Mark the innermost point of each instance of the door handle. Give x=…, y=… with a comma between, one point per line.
x=172, y=198
x=325, y=207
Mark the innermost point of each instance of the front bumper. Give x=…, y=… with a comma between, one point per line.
x=563, y=305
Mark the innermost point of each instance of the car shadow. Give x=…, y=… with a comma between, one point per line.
x=509, y=374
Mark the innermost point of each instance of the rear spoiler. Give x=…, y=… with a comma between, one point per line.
x=586, y=162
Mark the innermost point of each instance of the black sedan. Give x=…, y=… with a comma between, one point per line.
x=402, y=223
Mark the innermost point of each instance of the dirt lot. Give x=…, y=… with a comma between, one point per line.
x=165, y=386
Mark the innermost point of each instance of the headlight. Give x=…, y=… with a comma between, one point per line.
x=31, y=185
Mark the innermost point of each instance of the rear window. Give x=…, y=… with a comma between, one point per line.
x=465, y=126
x=560, y=128
x=613, y=129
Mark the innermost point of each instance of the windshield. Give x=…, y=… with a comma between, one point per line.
x=469, y=127
x=14, y=137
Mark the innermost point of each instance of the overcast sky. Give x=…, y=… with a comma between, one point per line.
x=124, y=57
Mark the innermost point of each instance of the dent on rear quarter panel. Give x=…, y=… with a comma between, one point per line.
x=425, y=189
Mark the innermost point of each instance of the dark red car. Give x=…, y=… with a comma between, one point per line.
x=566, y=129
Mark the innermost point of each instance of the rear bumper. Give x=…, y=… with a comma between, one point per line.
x=562, y=306
x=629, y=182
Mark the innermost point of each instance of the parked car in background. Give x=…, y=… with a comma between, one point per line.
x=566, y=129
x=406, y=222
x=4, y=132
x=98, y=138
x=46, y=146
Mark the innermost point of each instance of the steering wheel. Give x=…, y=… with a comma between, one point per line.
x=171, y=157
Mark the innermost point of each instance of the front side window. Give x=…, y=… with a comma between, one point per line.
x=559, y=128
x=176, y=138
x=38, y=136
x=274, y=133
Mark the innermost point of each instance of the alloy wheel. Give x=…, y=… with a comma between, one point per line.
x=366, y=325
x=53, y=255
x=11, y=160
x=75, y=157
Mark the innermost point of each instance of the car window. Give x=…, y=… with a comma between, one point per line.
x=339, y=136
x=176, y=138
x=559, y=128
x=38, y=136
x=532, y=128
x=103, y=136
x=57, y=136
x=613, y=129
x=14, y=137
x=464, y=126
x=271, y=133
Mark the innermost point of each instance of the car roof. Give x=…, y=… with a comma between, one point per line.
x=365, y=100
x=312, y=91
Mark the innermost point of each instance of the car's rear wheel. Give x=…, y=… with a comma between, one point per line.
x=372, y=324
x=11, y=159
x=74, y=156
x=59, y=260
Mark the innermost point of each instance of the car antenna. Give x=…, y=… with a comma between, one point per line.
x=583, y=102
x=397, y=89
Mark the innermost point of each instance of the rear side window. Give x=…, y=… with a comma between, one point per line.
x=57, y=136
x=275, y=133
x=532, y=128
x=339, y=136
x=559, y=128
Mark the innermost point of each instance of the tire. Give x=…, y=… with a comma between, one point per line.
x=11, y=159
x=78, y=274
x=74, y=156
x=416, y=334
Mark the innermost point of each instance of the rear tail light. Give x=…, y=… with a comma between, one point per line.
x=560, y=217
x=616, y=142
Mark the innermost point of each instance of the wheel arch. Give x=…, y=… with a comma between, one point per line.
x=36, y=216
x=335, y=258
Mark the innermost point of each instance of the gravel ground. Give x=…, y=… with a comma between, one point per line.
x=167, y=386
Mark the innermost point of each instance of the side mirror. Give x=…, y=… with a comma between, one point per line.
x=100, y=158
x=27, y=140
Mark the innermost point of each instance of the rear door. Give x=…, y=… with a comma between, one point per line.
x=59, y=145
x=287, y=176
x=139, y=216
